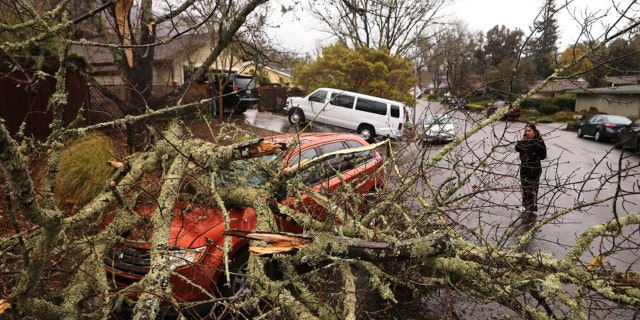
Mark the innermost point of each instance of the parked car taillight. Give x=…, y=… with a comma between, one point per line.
x=610, y=125
x=235, y=87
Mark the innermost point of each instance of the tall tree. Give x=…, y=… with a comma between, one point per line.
x=363, y=70
x=394, y=24
x=543, y=47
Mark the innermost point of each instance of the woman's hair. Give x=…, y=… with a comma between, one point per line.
x=532, y=125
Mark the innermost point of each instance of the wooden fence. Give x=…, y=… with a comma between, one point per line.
x=22, y=101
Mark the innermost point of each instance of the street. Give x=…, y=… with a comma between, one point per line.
x=577, y=171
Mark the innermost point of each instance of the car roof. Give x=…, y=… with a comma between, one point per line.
x=316, y=137
x=617, y=119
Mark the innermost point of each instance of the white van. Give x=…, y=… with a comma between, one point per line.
x=368, y=115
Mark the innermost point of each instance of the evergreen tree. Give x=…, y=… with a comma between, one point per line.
x=543, y=47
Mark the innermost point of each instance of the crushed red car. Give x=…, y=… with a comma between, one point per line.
x=196, y=235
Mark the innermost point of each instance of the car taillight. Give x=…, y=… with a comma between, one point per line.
x=235, y=87
x=400, y=126
x=610, y=125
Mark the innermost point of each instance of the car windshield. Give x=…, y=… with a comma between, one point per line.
x=437, y=119
x=245, y=173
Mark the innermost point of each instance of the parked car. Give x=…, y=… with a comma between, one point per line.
x=514, y=114
x=602, y=127
x=240, y=93
x=196, y=232
x=368, y=115
x=629, y=136
x=459, y=103
x=438, y=128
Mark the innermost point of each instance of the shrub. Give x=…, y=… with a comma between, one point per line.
x=566, y=102
x=548, y=109
x=564, y=116
x=83, y=169
x=573, y=125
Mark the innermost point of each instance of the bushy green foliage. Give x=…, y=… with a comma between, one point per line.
x=364, y=70
x=563, y=116
x=83, y=169
x=548, y=109
x=566, y=102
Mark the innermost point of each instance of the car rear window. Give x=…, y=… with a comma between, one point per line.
x=243, y=82
x=395, y=111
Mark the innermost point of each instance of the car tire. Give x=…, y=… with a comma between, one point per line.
x=367, y=132
x=580, y=133
x=238, y=276
x=296, y=117
x=597, y=136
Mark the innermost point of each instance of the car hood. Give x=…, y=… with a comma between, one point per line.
x=193, y=225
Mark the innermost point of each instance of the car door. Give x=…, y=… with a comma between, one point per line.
x=592, y=125
x=317, y=103
x=329, y=179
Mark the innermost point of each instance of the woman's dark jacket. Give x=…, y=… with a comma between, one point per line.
x=531, y=152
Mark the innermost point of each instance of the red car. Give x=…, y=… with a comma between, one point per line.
x=514, y=114
x=196, y=235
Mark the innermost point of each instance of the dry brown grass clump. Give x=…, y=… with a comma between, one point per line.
x=83, y=170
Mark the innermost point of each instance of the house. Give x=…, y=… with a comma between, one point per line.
x=174, y=62
x=559, y=87
x=268, y=74
x=623, y=100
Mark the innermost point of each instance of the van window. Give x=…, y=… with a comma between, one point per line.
x=342, y=100
x=318, y=96
x=371, y=106
x=395, y=111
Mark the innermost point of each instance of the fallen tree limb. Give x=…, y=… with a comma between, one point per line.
x=431, y=245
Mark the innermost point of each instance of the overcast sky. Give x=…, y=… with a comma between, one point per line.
x=299, y=32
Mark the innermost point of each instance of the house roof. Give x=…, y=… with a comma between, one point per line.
x=623, y=80
x=564, y=85
x=633, y=89
x=101, y=58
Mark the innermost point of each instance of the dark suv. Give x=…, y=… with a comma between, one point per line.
x=240, y=93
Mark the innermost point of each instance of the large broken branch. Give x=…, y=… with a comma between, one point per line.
x=432, y=245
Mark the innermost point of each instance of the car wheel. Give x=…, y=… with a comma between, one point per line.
x=296, y=116
x=597, y=136
x=367, y=132
x=580, y=133
x=239, y=284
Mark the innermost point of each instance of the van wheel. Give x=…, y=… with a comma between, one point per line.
x=296, y=116
x=239, y=284
x=367, y=132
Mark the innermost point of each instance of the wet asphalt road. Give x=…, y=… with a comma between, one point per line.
x=573, y=173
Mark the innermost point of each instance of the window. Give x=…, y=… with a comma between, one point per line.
x=342, y=100
x=376, y=107
x=395, y=111
x=318, y=96
x=304, y=155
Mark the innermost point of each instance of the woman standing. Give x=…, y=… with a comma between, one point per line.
x=532, y=149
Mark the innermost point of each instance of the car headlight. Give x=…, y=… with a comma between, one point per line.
x=181, y=257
